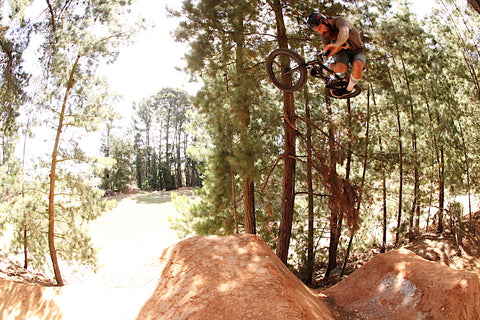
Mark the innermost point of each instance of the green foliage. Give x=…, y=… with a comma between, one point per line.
x=24, y=211
x=420, y=95
x=119, y=174
x=70, y=100
x=161, y=141
x=193, y=221
x=13, y=81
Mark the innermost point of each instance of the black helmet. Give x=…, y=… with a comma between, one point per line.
x=315, y=19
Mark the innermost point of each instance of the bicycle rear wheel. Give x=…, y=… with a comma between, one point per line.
x=286, y=69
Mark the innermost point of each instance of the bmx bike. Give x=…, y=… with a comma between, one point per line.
x=288, y=71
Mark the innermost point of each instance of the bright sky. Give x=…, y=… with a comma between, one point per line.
x=149, y=65
x=422, y=7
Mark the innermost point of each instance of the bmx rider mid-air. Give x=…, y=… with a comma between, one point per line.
x=341, y=40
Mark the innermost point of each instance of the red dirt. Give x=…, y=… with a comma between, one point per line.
x=21, y=301
x=239, y=277
x=234, y=277
x=402, y=285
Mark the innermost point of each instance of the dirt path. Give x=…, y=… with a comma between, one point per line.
x=130, y=239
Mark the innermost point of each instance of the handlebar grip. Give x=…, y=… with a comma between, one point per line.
x=327, y=53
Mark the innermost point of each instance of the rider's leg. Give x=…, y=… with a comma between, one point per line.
x=339, y=67
x=356, y=75
x=341, y=62
x=358, y=64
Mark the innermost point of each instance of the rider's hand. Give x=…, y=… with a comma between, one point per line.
x=333, y=48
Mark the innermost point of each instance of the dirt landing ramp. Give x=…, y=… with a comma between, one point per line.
x=233, y=277
x=28, y=301
x=401, y=285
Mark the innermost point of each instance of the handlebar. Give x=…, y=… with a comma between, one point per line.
x=327, y=53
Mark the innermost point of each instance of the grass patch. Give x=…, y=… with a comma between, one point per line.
x=157, y=197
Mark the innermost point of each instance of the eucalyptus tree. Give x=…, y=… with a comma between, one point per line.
x=171, y=109
x=451, y=99
x=143, y=120
x=76, y=37
x=403, y=55
x=399, y=54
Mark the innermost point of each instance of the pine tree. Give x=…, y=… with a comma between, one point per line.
x=75, y=98
x=13, y=80
x=218, y=29
x=422, y=86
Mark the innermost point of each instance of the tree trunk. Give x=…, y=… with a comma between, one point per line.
x=178, y=171
x=385, y=216
x=475, y=4
x=413, y=230
x=400, y=163
x=25, y=213
x=400, y=179
x=384, y=195
x=467, y=173
x=288, y=197
x=336, y=217
x=25, y=242
x=441, y=191
x=148, y=166
x=311, y=217
x=362, y=184
x=249, y=206
x=167, y=148
x=53, y=168
x=241, y=105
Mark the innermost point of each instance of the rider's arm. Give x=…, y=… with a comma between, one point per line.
x=334, y=48
x=343, y=27
x=343, y=34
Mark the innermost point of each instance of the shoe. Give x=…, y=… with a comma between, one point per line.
x=340, y=93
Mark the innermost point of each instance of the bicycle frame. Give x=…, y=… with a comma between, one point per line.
x=318, y=63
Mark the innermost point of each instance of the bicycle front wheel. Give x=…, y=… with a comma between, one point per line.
x=286, y=69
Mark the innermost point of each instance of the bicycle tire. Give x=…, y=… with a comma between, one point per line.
x=355, y=92
x=279, y=75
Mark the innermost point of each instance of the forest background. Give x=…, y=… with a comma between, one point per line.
x=314, y=177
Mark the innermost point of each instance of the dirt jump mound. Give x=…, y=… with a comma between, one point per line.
x=401, y=285
x=233, y=277
x=239, y=277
